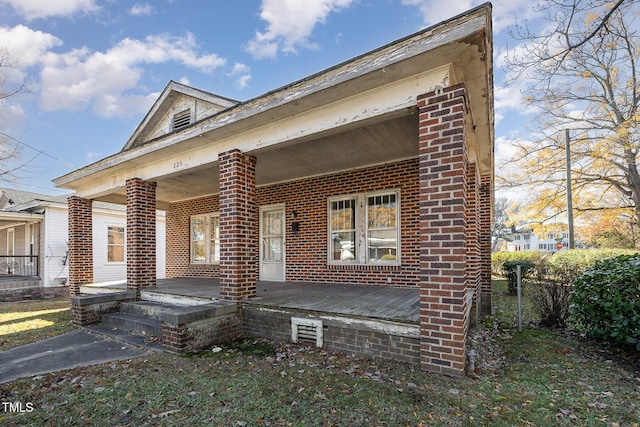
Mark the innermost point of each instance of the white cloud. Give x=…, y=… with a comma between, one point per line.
x=184, y=80
x=34, y=9
x=242, y=72
x=141, y=9
x=289, y=25
x=26, y=46
x=81, y=79
x=243, y=81
x=504, y=11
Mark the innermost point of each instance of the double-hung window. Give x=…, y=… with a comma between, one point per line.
x=365, y=228
x=115, y=244
x=205, y=239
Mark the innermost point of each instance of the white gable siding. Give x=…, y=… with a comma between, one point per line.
x=199, y=110
x=54, y=235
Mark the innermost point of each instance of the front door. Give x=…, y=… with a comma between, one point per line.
x=272, y=254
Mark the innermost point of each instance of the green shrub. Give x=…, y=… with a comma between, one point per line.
x=499, y=258
x=510, y=269
x=606, y=300
x=550, y=295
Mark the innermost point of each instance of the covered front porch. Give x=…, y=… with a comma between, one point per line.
x=187, y=315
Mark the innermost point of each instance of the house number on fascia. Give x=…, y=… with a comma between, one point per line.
x=177, y=165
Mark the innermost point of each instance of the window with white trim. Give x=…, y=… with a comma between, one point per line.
x=115, y=243
x=205, y=239
x=364, y=228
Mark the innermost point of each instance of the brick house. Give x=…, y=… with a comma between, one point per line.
x=377, y=171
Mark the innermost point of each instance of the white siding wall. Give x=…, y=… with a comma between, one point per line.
x=104, y=271
x=161, y=245
x=54, y=235
x=54, y=247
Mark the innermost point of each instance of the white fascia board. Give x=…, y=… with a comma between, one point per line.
x=151, y=163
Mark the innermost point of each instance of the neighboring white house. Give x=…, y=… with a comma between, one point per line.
x=34, y=230
x=527, y=240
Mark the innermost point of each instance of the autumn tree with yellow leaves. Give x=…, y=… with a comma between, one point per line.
x=582, y=75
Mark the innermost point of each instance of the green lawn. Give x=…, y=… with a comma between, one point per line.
x=28, y=321
x=537, y=377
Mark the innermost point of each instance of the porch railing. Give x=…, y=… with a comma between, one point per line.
x=19, y=265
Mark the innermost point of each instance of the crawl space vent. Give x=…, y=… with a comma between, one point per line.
x=309, y=330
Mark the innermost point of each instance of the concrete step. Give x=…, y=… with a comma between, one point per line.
x=144, y=308
x=171, y=299
x=137, y=324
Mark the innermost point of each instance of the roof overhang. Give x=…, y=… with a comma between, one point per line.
x=16, y=219
x=359, y=113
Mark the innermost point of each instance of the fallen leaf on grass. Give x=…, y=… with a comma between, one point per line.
x=165, y=413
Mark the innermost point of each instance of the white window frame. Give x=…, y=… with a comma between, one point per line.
x=124, y=244
x=361, y=239
x=11, y=241
x=212, y=257
x=30, y=242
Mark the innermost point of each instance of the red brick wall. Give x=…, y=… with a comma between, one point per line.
x=443, y=189
x=178, y=236
x=80, y=244
x=472, y=230
x=141, y=234
x=306, y=251
x=306, y=256
x=485, y=201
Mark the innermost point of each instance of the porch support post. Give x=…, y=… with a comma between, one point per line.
x=238, y=226
x=473, y=241
x=141, y=234
x=443, y=168
x=485, y=209
x=80, y=243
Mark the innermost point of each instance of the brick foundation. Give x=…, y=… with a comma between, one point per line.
x=443, y=188
x=141, y=234
x=370, y=338
x=80, y=243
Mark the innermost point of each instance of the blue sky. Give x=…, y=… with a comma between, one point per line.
x=93, y=68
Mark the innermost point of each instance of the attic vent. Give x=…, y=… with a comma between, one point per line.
x=306, y=330
x=181, y=119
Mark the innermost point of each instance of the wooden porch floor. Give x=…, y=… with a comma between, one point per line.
x=396, y=304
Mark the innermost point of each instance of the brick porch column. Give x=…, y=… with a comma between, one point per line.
x=473, y=242
x=80, y=243
x=443, y=283
x=485, y=200
x=141, y=234
x=238, y=226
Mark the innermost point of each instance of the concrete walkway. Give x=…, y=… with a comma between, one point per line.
x=80, y=348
